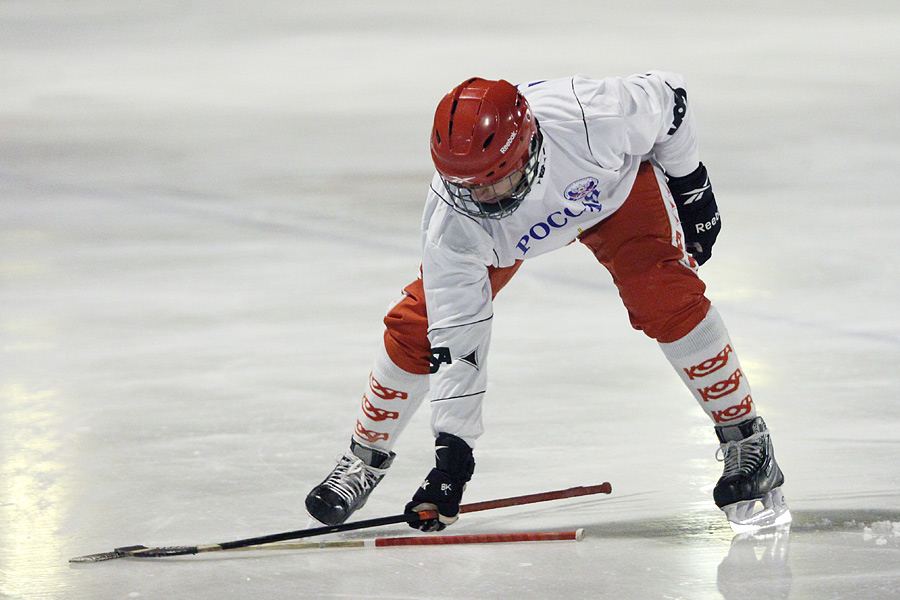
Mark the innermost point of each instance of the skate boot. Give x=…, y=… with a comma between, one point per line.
x=348, y=486
x=749, y=491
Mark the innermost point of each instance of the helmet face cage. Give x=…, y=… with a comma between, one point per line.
x=506, y=194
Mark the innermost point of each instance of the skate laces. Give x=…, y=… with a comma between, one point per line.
x=351, y=479
x=745, y=456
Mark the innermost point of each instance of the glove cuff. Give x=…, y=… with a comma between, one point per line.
x=454, y=457
x=692, y=189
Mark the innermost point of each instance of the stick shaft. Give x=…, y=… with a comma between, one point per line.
x=603, y=488
x=432, y=540
x=485, y=538
x=312, y=545
x=304, y=533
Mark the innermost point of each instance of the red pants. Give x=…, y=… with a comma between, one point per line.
x=639, y=247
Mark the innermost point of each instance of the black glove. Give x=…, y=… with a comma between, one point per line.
x=442, y=490
x=698, y=212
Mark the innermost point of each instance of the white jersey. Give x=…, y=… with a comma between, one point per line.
x=595, y=134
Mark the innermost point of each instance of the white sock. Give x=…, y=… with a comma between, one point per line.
x=707, y=363
x=389, y=402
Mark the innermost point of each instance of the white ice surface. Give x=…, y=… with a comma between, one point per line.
x=205, y=208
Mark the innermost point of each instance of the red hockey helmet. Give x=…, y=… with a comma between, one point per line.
x=485, y=145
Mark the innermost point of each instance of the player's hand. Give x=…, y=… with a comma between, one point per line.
x=439, y=492
x=443, y=488
x=698, y=212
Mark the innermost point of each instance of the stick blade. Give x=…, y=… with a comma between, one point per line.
x=102, y=556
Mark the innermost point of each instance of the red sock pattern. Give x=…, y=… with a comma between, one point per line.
x=390, y=399
x=709, y=366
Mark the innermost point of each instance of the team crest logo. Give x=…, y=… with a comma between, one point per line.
x=586, y=189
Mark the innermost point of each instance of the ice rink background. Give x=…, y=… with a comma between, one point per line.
x=206, y=207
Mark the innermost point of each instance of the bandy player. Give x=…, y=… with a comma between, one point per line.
x=611, y=163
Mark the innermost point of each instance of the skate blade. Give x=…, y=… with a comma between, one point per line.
x=748, y=516
x=314, y=523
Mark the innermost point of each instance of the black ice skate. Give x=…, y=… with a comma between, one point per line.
x=348, y=486
x=749, y=491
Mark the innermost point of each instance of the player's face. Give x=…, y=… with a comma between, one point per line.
x=500, y=198
x=495, y=192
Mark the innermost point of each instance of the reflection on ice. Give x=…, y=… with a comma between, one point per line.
x=35, y=487
x=758, y=562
